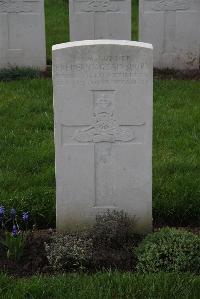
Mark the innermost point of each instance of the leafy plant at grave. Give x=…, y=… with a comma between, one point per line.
x=14, y=241
x=169, y=250
x=113, y=229
x=14, y=245
x=16, y=73
x=69, y=251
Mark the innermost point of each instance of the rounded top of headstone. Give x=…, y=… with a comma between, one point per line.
x=102, y=42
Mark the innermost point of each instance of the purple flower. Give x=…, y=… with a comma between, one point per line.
x=14, y=231
x=25, y=216
x=2, y=211
x=12, y=213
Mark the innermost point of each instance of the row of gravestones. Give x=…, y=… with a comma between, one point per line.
x=172, y=26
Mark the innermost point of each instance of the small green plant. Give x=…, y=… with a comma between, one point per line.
x=69, y=251
x=113, y=229
x=14, y=242
x=169, y=250
x=14, y=245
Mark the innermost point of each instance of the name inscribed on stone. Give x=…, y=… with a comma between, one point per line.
x=117, y=68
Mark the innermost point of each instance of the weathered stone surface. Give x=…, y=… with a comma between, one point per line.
x=103, y=130
x=173, y=27
x=100, y=19
x=22, y=34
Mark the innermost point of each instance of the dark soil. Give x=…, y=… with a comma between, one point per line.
x=113, y=259
x=34, y=259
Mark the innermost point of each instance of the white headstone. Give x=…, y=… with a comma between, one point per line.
x=103, y=130
x=22, y=34
x=100, y=19
x=173, y=27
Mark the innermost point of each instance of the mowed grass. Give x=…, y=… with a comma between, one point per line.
x=176, y=155
x=57, y=23
x=102, y=286
x=27, y=150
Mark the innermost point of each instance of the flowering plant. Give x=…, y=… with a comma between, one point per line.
x=14, y=241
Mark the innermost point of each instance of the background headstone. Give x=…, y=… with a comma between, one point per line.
x=173, y=27
x=22, y=34
x=100, y=19
x=103, y=130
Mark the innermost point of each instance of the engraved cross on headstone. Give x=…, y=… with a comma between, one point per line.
x=8, y=10
x=170, y=7
x=100, y=10
x=105, y=133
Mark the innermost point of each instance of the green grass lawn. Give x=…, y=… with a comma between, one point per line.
x=176, y=155
x=27, y=150
x=57, y=23
x=102, y=286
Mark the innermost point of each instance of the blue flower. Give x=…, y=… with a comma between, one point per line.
x=25, y=216
x=2, y=211
x=12, y=213
x=14, y=231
